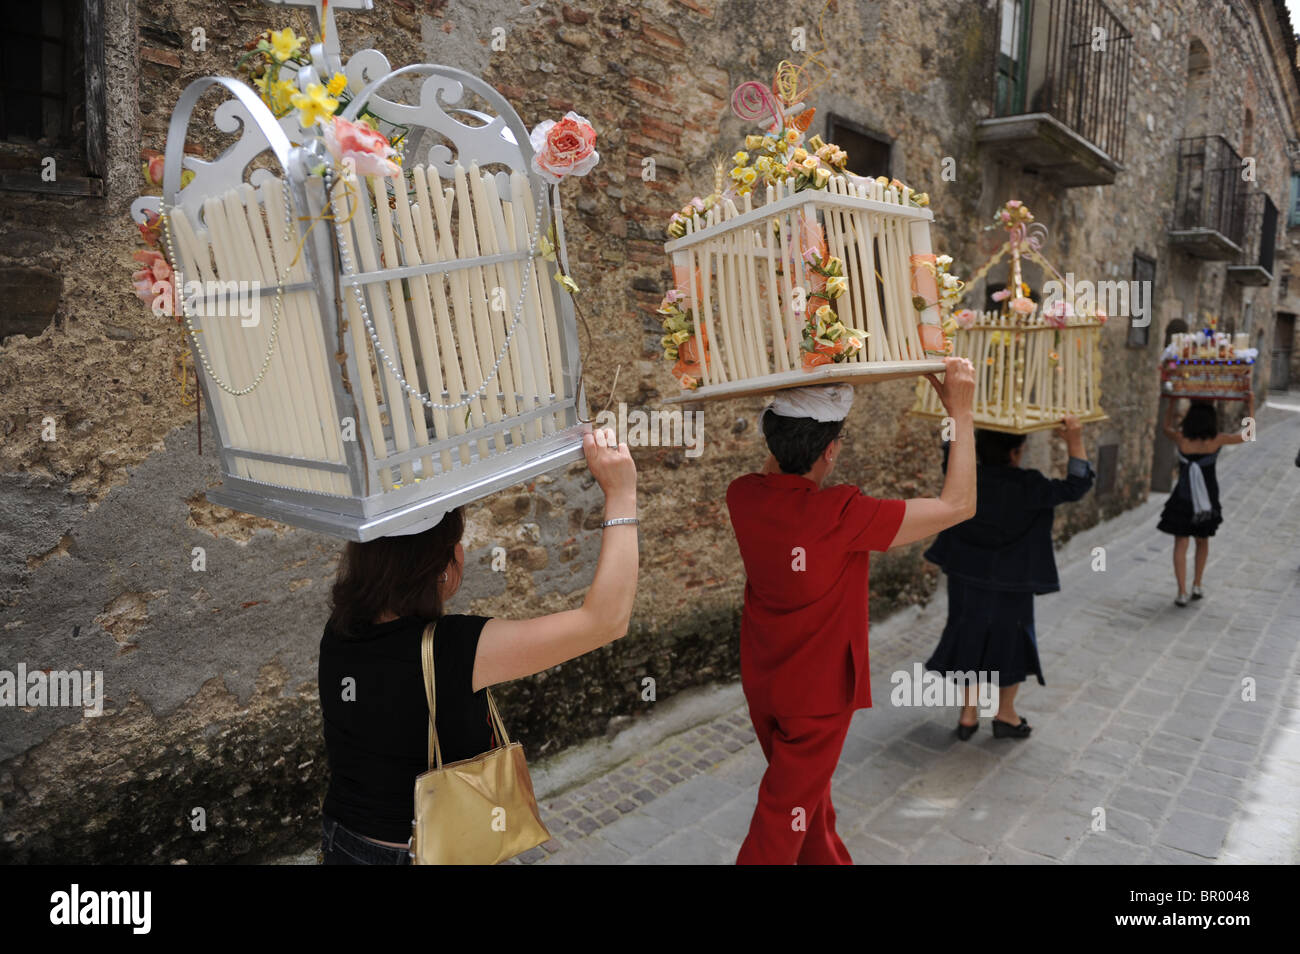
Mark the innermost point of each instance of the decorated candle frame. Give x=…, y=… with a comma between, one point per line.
x=830, y=277
x=386, y=387
x=1034, y=363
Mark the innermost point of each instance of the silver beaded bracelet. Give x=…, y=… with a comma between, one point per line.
x=619, y=521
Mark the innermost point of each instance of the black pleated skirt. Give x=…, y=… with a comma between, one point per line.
x=988, y=631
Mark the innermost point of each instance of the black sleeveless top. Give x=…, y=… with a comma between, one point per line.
x=376, y=717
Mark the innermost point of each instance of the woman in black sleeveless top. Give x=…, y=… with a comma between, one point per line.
x=371, y=682
x=1192, y=510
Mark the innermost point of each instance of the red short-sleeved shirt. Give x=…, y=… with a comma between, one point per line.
x=803, y=632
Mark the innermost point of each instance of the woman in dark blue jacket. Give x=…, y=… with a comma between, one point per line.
x=996, y=562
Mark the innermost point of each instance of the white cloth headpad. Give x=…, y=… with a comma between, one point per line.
x=821, y=402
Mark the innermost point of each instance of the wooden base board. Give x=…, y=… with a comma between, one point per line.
x=826, y=374
x=1005, y=428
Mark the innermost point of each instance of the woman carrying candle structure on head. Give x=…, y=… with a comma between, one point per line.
x=371, y=683
x=1193, y=508
x=996, y=563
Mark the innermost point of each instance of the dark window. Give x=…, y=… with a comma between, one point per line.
x=1107, y=454
x=1013, y=40
x=1294, y=218
x=1144, y=273
x=52, y=96
x=869, y=154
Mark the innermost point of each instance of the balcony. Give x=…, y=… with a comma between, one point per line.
x=1061, y=92
x=1209, y=200
x=1259, y=242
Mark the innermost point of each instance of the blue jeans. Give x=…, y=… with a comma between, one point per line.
x=343, y=846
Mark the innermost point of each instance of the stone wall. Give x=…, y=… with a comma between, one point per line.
x=211, y=675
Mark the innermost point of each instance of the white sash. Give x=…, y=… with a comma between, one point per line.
x=1202, y=509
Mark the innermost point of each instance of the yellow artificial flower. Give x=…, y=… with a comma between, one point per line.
x=279, y=96
x=816, y=143
x=763, y=164
x=809, y=164
x=754, y=142
x=670, y=354
x=567, y=283
x=837, y=286
x=285, y=44
x=769, y=143
x=821, y=177
x=800, y=154
x=792, y=136
x=749, y=177
x=741, y=158
x=316, y=105
x=337, y=84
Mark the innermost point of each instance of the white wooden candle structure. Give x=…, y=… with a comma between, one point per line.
x=751, y=283
x=407, y=354
x=1034, y=364
x=1028, y=374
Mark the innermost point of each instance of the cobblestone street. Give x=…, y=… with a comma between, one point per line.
x=1147, y=714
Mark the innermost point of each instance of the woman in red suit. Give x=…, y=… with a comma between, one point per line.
x=803, y=631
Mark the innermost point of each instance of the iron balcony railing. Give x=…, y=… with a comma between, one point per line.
x=1067, y=58
x=1210, y=193
x=1259, y=232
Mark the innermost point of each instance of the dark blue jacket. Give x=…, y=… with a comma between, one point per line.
x=1007, y=545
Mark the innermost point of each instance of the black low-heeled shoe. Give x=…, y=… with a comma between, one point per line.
x=964, y=732
x=1005, y=730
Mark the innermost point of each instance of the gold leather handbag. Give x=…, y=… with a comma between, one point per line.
x=478, y=811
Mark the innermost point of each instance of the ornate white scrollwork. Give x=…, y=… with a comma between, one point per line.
x=498, y=139
x=246, y=115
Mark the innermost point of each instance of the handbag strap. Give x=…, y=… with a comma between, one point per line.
x=431, y=697
x=431, y=694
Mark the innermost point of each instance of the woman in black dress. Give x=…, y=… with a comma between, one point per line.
x=1193, y=508
x=371, y=681
x=995, y=563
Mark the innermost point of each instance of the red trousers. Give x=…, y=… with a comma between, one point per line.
x=794, y=822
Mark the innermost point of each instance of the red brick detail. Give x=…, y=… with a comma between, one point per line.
x=162, y=57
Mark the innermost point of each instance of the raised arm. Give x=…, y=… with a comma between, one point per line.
x=925, y=516
x=1167, y=425
x=1238, y=437
x=509, y=649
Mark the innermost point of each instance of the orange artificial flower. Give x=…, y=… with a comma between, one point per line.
x=813, y=359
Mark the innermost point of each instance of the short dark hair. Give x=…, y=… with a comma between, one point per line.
x=398, y=575
x=797, y=442
x=1201, y=422
x=993, y=448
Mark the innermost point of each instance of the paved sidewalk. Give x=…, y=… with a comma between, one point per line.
x=1142, y=717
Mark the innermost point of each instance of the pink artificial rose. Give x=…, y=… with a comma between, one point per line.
x=1023, y=306
x=150, y=228
x=1002, y=294
x=965, y=317
x=1059, y=314
x=566, y=148
x=369, y=151
x=153, y=170
x=155, y=271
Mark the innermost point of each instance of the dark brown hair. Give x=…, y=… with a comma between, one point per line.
x=400, y=575
x=1201, y=422
x=993, y=448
